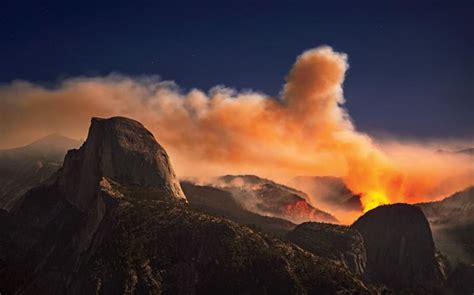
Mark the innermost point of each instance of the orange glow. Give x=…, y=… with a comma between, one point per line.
x=305, y=131
x=299, y=211
x=374, y=199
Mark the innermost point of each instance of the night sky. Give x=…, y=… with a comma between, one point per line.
x=411, y=62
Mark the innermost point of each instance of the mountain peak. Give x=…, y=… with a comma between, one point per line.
x=122, y=150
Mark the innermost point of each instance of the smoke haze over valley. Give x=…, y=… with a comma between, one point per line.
x=305, y=131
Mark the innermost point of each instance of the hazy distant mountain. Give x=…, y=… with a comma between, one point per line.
x=114, y=220
x=467, y=151
x=269, y=198
x=453, y=210
x=452, y=223
x=25, y=167
x=329, y=190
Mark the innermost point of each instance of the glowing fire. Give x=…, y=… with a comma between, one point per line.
x=300, y=211
x=374, y=199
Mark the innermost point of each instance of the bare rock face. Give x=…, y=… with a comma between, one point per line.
x=121, y=150
x=341, y=244
x=400, y=248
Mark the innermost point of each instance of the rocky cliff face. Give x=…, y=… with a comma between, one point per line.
x=119, y=150
x=341, y=244
x=113, y=220
x=400, y=248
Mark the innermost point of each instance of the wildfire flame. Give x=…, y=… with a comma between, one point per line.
x=374, y=199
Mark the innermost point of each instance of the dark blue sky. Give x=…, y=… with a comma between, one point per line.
x=412, y=63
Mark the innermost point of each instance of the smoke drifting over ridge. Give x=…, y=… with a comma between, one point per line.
x=305, y=132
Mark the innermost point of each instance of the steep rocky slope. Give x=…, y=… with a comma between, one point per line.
x=455, y=209
x=400, y=248
x=25, y=167
x=452, y=223
x=269, y=198
x=113, y=220
x=217, y=202
x=338, y=243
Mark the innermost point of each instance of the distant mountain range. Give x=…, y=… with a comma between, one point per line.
x=25, y=167
x=467, y=151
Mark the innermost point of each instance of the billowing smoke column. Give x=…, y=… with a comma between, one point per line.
x=305, y=132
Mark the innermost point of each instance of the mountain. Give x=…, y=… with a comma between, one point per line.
x=467, y=151
x=329, y=190
x=218, y=202
x=452, y=223
x=341, y=244
x=25, y=167
x=453, y=210
x=114, y=220
x=400, y=249
x=266, y=197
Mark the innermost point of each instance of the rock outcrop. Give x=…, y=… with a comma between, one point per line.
x=400, y=248
x=119, y=150
x=113, y=220
x=341, y=244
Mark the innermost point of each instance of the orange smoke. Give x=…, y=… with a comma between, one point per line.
x=305, y=132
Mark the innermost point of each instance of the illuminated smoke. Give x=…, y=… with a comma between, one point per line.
x=305, y=132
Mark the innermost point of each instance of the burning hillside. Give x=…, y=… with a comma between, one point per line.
x=268, y=198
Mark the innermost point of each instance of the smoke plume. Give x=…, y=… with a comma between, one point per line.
x=306, y=131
